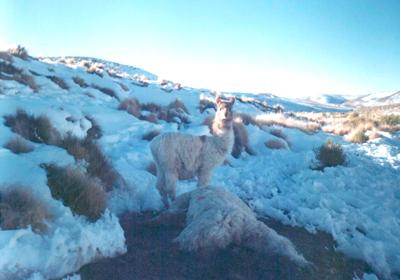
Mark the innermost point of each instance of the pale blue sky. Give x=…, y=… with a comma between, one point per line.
x=285, y=47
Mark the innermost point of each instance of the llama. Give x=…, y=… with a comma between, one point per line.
x=216, y=218
x=184, y=156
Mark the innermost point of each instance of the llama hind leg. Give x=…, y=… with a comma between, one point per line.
x=170, y=185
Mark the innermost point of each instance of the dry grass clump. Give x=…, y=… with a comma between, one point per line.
x=18, y=145
x=19, y=51
x=97, y=164
x=94, y=132
x=286, y=121
x=123, y=86
x=176, y=111
x=20, y=208
x=58, y=81
x=105, y=90
x=80, y=82
x=96, y=68
x=357, y=136
x=6, y=56
x=279, y=133
x=178, y=105
x=132, y=106
x=151, y=107
x=83, y=194
x=330, y=154
x=36, y=129
x=205, y=104
x=275, y=144
x=390, y=120
x=10, y=72
x=148, y=136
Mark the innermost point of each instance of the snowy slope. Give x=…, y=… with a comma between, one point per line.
x=358, y=203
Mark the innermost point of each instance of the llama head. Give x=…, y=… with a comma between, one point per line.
x=224, y=114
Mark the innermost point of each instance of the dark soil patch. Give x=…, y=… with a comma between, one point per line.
x=152, y=255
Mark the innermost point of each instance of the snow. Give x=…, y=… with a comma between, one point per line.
x=358, y=203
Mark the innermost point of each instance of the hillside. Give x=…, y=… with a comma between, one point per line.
x=83, y=99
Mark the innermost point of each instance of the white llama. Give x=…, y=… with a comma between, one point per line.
x=216, y=218
x=184, y=156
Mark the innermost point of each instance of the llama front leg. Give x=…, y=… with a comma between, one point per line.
x=204, y=177
x=162, y=188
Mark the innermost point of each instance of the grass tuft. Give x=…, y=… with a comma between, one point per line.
x=20, y=208
x=18, y=145
x=83, y=194
x=330, y=154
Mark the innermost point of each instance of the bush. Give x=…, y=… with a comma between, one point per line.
x=391, y=120
x=178, y=105
x=279, y=133
x=151, y=107
x=19, y=51
x=18, y=146
x=58, y=81
x=36, y=129
x=330, y=154
x=98, y=165
x=107, y=91
x=132, y=106
x=80, y=82
x=83, y=194
x=275, y=144
x=18, y=75
x=358, y=137
x=19, y=208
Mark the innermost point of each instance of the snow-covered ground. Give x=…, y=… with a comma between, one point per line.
x=357, y=203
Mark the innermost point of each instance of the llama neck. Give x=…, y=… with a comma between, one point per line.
x=223, y=133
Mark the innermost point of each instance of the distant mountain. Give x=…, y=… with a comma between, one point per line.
x=375, y=99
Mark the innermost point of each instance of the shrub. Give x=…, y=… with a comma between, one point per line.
x=107, y=91
x=358, y=137
x=275, y=144
x=18, y=146
x=5, y=56
x=391, y=120
x=151, y=107
x=330, y=154
x=18, y=75
x=279, y=133
x=95, y=131
x=123, y=86
x=83, y=194
x=58, y=81
x=205, y=104
x=80, y=82
x=178, y=105
x=36, y=129
x=149, y=118
x=19, y=51
x=132, y=106
x=20, y=208
x=97, y=164
x=151, y=134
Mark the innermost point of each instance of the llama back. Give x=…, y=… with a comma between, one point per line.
x=176, y=151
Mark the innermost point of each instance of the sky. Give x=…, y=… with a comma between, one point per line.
x=285, y=47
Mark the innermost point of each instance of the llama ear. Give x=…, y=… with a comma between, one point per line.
x=218, y=100
x=232, y=100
